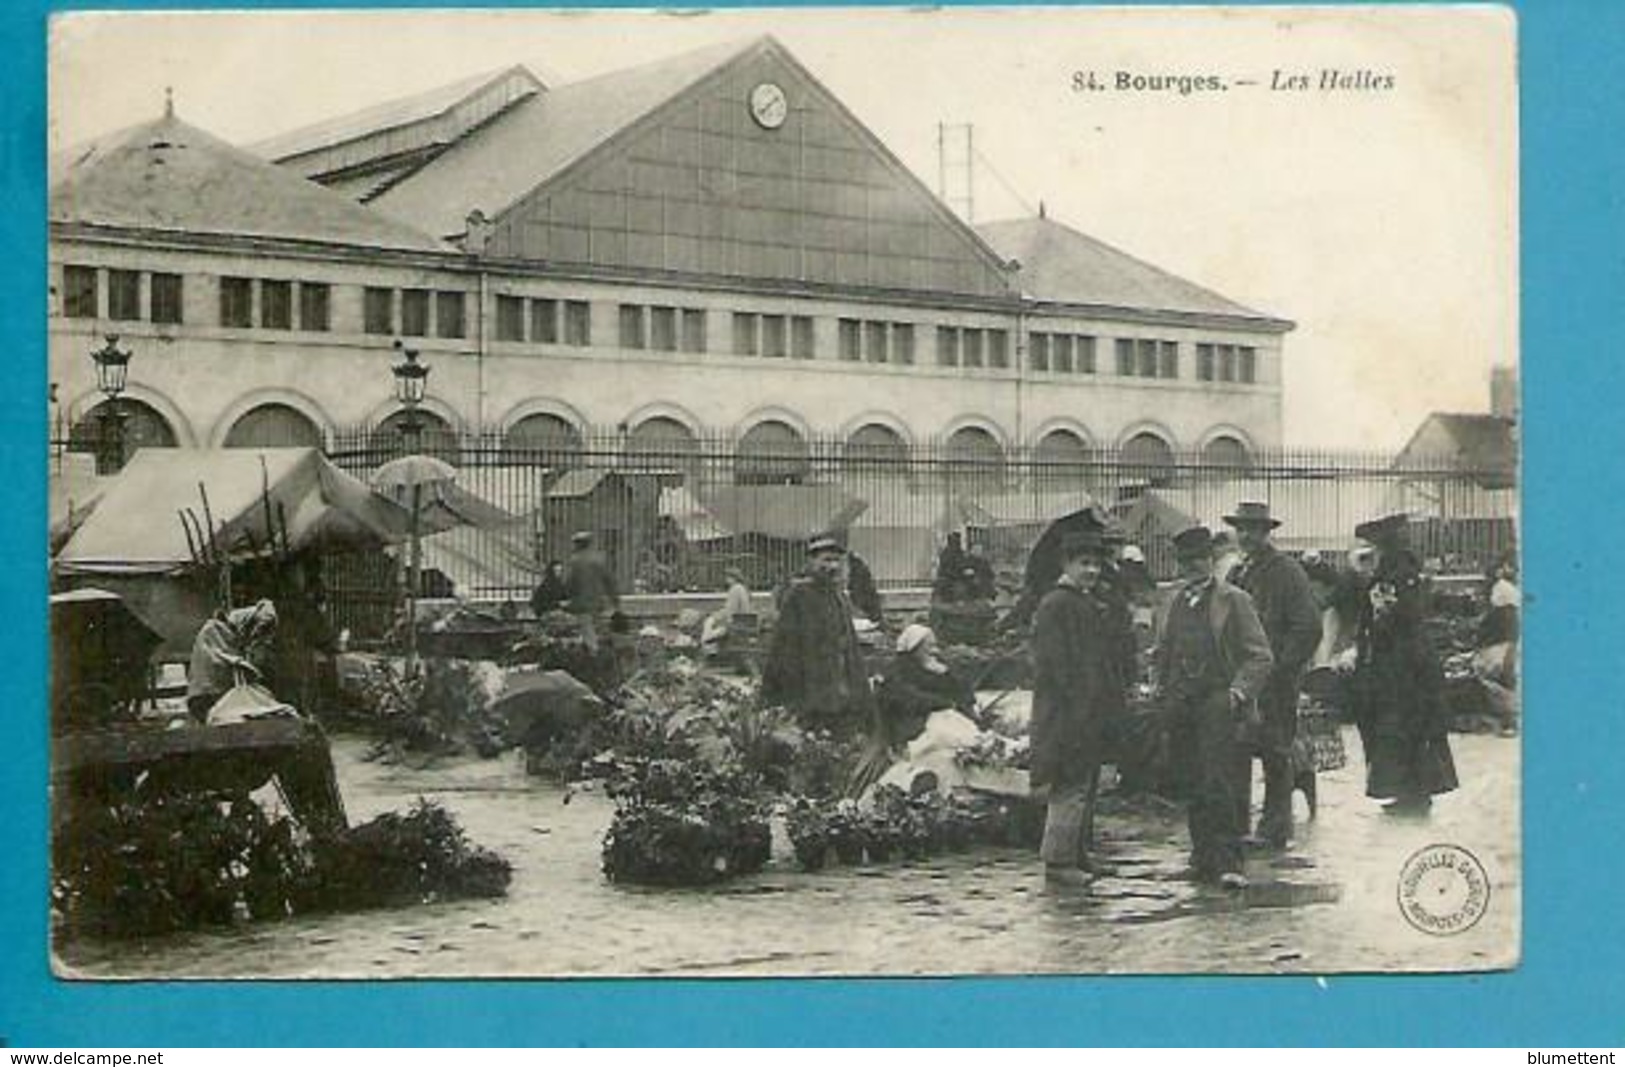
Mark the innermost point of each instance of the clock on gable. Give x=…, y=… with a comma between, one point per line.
x=768, y=106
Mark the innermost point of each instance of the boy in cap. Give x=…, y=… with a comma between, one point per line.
x=1079, y=684
x=1286, y=609
x=1212, y=661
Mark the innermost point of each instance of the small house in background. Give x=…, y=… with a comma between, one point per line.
x=1459, y=482
x=622, y=510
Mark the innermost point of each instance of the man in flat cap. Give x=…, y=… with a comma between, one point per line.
x=1083, y=663
x=1213, y=659
x=1286, y=608
x=814, y=666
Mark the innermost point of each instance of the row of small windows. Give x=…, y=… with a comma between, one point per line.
x=379, y=307
x=307, y=306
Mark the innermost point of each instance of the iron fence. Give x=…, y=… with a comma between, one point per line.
x=674, y=513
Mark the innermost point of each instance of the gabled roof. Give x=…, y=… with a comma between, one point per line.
x=168, y=175
x=390, y=114
x=1483, y=443
x=1062, y=266
x=497, y=164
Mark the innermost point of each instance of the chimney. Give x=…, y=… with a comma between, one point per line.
x=1504, y=392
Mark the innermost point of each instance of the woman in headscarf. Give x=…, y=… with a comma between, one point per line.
x=240, y=642
x=1398, y=684
x=918, y=683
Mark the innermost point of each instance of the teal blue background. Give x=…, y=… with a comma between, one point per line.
x=1567, y=991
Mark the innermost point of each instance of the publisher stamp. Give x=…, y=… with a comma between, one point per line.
x=1443, y=890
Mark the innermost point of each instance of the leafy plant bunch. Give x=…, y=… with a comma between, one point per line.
x=420, y=857
x=150, y=866
x=897, y=825
x=442, y=709
x=683, y=822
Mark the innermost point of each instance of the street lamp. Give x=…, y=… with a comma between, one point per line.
x=112, y=375
x=411, y=382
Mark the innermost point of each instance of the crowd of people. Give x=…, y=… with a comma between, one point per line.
x=1226, y=649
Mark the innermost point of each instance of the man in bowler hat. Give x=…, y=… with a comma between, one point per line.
x=1213, y=660
x=1286, y=608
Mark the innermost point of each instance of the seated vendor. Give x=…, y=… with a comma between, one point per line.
x=918, y=683
x=239, y=643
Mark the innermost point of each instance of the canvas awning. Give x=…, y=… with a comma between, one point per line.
x=783, y=512
x=137, y=526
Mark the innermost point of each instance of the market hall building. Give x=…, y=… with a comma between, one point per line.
x=709, y=243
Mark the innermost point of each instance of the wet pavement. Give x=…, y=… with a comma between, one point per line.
x=1330, y=904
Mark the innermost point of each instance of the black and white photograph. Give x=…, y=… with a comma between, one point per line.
x=783, y=492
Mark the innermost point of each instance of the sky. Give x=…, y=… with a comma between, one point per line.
x=1381, y=220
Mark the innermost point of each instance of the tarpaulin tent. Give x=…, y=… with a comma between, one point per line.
x=770, y=524
x=137, y=526
x=135, y=542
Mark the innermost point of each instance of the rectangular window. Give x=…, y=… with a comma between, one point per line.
x=1247, y=365
x=236, y=302
x=663, y=329
x=79, y=292
x=693, y=330
x=875, y=349
x=1227, y=363
x=971, y=347
x=851, y=340
x=510, y=318
x=415, y=312
x=902, y=342
x=1168, y=359
x=448, y=315
x=631, y=332
x=775, y=337
x=802, y=345
x=577, y=323
x=544, y=322
x=276, y=305
x=124, y=294
x=315, y=307
x=1125, y=356
x=1084, y=357
x=1060, y=353
x=1146, y=364
x=1204, y=363
x=745, y=327
x=1038, y=351
x=165, y=298
x=998, y=349
x=947, y=346
x=378, y=310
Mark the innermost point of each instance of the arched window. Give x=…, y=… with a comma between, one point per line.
x=1148, y=456
x=661, y=443
x=975, y=460
x=274, y=426
x=435, y=437
x=1061, y=459
x=771, y=453
x=1226, y=452
x=545, y=439
x=876, y=450
x=129, y=427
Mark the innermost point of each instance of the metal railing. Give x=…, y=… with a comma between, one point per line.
x=673, y=515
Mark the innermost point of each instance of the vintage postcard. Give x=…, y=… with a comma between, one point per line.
x=784, y=492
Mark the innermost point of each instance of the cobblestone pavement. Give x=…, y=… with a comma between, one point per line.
x=1330, y=904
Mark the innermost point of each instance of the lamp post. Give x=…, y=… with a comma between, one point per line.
x=411, y=381
x=112, y=375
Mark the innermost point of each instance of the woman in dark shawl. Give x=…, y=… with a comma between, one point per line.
x=1398, y=684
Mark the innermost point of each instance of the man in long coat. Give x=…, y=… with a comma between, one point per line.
x=1286, y=608
x=1212, y=662
x=1082, y=665
x=590, y=586
x=814, y=666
